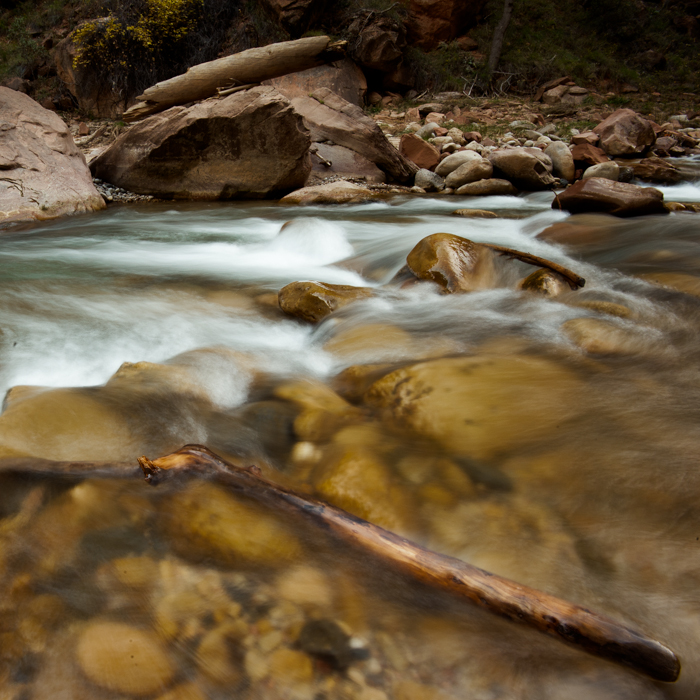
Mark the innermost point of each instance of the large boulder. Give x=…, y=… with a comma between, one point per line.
x=456, y=264
x=433, y=21
x=331, y=118
x=597, y=194
x=94, y=96
x=527, y=168
x=251, y=144
x=44, y=175
x=313, y=301
x=343, y=163
x=625, y=133
x=344, y=78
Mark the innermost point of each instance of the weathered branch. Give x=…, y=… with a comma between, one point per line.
x=575, y=281
x=251, y=66
x=596, y=634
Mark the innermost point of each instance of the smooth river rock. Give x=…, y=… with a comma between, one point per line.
x=249, y=145
x=123, y=659
x=527, y=168
x=313, y=301
x=44, y=174
x=471, y=171
x=491, y=187
x=339, y=192
x=456, y=264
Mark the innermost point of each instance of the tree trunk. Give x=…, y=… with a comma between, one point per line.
x=247, y=67
x=498, y=36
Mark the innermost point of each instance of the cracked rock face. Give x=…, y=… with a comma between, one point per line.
x=43, y=175
x=250, y=145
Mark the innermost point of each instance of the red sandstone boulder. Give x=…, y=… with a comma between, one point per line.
x=657, y=170
x=625, y=133
x=44, y=175
x=294, y=15
x=418, y=151
x=588, y=154
x=379, y=43
x=526, y=168
x=618, y=198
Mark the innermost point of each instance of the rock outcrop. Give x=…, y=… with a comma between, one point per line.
x=432, y=21
x=596, y=194
x=343, y=163
x=625, y=133
x=344, y=78
x=43, y=174
x=94, y=96
x=251, y=145
x=331, y=118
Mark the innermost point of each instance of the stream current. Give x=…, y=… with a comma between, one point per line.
x=556, y=444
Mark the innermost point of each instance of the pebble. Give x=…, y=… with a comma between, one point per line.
x=112, y=193
x=123, y=658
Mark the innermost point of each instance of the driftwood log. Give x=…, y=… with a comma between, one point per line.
x=575, y=281
x=244, y=68
x=570, y=623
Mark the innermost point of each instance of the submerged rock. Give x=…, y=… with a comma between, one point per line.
x=456, y=264
x=546, y=283
x=313, y=301
x=491, y=187
x=249, y=145
x=479, y=406
x=123, y=659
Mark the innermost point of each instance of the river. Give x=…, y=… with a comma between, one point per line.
x=565, y=460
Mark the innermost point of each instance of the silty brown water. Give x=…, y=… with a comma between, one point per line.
x=551, y=441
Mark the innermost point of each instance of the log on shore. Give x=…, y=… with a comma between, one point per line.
x=250, y=66
x=596, y=634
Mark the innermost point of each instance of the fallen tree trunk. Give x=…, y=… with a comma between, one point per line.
x=575, y=281
x=251, y=66
x=570, y=623
x=596, y=634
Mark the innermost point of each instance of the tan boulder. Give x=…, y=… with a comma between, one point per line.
x=625, y=133
x=545, y=282
x=562, y=160
x=44, y=175
x=471, y=171
x=418, y=151
x=456, y=264
x=123, y=659
x=492, y=187
x=344, y=78
x=331, y=118
x=526, y=168
x=479, y=406
x=339, y=192
x=475, y=213
x=600, y=337
x=608, y=171
x=456, y=160
x=251, y=144
x=657, y=170
x=344, y=163
x=206, y=522
x=313, y=301
x=596, y=194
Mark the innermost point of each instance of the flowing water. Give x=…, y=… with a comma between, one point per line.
x=551, y=441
